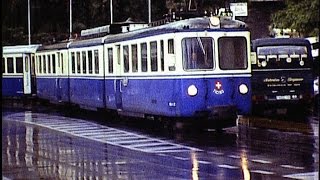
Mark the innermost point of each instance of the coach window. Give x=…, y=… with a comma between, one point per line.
x=61, y=63
x=144, y=64
x=53, y=63
x=154, y=56
x=170, y=46
x=162, y=55
x=90, y=61
x=73, y=63
x=40, y=64
x=49, y=64
x=96, y=61
x=232, y=53
x=19, y=65
x=3, y=66
x=110, y=60
x=26, y=66
x=78, y=62
x=10, y=65
x=134, y=56
x=44, y=64
x=84, y=62
x=126, y=58
x=197, y=53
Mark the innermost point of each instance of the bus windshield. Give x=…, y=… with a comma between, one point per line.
x=270, y=57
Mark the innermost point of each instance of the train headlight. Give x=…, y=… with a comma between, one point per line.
x=192, y=90
x=301, y=63
x=264, y=63
x=215, y=21
x=243, y=89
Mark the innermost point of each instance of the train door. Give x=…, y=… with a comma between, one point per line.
x=118, y=80
x=26, y=74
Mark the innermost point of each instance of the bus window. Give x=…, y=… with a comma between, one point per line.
x=73, y=62
x=84, y=62
x=126, y=58
x=110, y=60
x=134, y=54
x=10, y=65
x=144, y=64
x=90, y=61
x=197, y=53
x=19, y=65
x=96, y=60
x=232, y=53
x=154, y=56
x=53, y=63
x=170, y=46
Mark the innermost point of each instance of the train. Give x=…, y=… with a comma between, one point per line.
x=195, y=68
x=282, y=75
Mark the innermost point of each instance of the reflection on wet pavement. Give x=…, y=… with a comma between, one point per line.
x=45, y=146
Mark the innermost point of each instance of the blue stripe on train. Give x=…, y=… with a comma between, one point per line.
x=12, y=87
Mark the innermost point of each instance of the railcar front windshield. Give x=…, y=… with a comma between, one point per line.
x=197, y=53
x=233, y=53
x=284, y=56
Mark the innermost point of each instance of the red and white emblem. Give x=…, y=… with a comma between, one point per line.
x=218, y=88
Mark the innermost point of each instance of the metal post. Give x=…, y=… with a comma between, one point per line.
x=149, y=8
x=70, y=27
x=111, y=13
x=29, y=31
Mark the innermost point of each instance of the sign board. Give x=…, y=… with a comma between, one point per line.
x=239, y=9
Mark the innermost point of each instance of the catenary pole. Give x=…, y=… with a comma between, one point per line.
x=29, y=29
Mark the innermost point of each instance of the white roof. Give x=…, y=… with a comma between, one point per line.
x=20, y=49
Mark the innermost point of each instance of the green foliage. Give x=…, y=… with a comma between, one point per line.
x=301, y=15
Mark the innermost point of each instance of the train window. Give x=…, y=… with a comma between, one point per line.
x=40, y=64
x=162, y=55
x=33, y=63
x=44, y=64
x=3, y=66
x=126, y=58
x=197, y=53
x=170, y=46
x=58, y=60
x=78, y=63
x=154, y=56
x=90, y=61
x=232, y=53
x=144, y=64
x=61, y=63
x=26, y=66
x=19, y=65
x=53, y=63
x=134, y=54
x=96, y=61
x=73, y=62
x=110, y=60
x=49, y=63
x=84, y=62
x=10, y=64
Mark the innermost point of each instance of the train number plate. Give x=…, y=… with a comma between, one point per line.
x=285, y=97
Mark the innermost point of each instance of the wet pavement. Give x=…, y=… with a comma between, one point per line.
x=44, y=143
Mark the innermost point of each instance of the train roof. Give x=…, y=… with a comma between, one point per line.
x=20, y=49
x=279, y=41
x=62, y=45
x=192, y=24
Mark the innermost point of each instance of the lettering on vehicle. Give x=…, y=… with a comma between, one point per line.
x=271, y=80
x=290, y=79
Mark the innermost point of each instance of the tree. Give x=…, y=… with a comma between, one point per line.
x=301, y=15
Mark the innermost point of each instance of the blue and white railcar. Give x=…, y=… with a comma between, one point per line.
x=53, y=73
x=18, y=74
x=190, y=68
